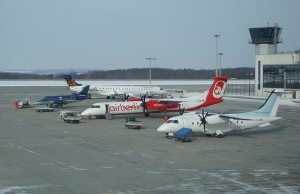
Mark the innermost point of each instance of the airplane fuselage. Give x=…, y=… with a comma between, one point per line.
x=132, y=107
x=219, y=123
x=111, y=91
x=215, y=124
x=60, y=99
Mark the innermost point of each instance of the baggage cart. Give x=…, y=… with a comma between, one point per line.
x=44, y=109
x=183, y=135
x=132, y=123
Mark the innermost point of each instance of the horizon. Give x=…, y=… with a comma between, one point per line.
x=78, y=69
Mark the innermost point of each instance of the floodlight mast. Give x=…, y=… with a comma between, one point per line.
x=150, y=59
x=217, y=51
x=220, y=70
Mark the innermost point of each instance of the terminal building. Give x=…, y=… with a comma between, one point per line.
x=273, y=69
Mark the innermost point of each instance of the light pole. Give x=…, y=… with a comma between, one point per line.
x=150, y=59
x=284, y=83
x=220, y=70
x=249, y=75
x=217, y=51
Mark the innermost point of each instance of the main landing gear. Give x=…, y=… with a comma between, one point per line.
x=219, y=134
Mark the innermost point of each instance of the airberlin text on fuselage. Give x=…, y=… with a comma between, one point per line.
x=121, y=107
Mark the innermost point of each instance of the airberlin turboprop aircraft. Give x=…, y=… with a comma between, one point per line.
x=217, y=124
x=147, y=106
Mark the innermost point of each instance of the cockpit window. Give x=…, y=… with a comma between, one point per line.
x=95, y=106
x=172, y=121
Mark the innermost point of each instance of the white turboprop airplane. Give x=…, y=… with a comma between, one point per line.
x=147, y=106
x=217, y=124
x=111, y=91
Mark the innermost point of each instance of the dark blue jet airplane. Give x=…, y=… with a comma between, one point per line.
x=54, y=101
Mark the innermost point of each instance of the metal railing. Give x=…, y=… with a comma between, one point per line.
x=240, y=89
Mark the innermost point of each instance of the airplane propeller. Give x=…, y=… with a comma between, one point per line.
x=181, y=110
x=126, y=97
x=202, y=119
x=144, y=104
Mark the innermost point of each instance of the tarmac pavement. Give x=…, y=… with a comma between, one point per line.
x=42, y=154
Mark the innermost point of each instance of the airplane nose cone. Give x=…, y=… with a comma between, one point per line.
x=162, y=129
x=85, y=113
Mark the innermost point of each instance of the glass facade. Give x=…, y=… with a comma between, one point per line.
x=273, y=76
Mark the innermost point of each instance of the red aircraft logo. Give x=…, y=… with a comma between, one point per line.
x=218, y=90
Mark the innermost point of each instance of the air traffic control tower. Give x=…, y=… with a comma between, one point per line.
x=274, y=69
x=265, y=39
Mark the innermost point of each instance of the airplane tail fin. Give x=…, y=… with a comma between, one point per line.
x=85, y=90
x=70, y=81
x=270, y=107
x=217, y=89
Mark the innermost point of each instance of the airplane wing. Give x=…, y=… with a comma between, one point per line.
x=199, y=113
x=115, y=92
x=235, y=117
x=166, y=101
x=104, y=93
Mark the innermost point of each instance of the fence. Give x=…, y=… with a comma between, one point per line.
x=240, y=89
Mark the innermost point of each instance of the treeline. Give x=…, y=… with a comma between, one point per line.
x=163, y=73
x=140, y=73
x=8, y=75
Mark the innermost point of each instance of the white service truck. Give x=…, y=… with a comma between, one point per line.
x=70, y=116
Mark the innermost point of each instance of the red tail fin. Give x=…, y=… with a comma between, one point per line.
x=217, y=89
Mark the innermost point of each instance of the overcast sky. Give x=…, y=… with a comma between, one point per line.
x=120, y=34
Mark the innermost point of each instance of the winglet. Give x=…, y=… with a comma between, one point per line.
x=70, y=81
x=217, y=89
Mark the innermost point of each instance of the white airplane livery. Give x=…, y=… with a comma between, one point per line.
x=146, y=106
x=111, y=91
x=217, y=124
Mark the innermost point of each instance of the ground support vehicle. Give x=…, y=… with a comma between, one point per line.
x=132, y=123
x=44, y=109
x=183, y=135
x=25, y=103
x=72, y=119
x=70, y=116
